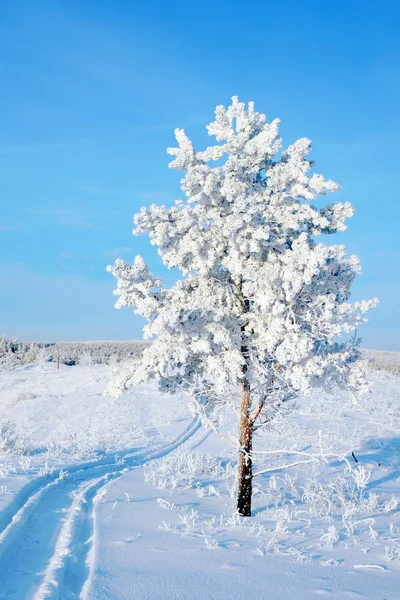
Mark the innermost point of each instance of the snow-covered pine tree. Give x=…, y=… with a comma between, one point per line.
x=256, y=317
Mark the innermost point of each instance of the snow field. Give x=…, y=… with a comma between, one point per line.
x=46, y=525
x=157, y=543
x=328, y=510
x=129, y=498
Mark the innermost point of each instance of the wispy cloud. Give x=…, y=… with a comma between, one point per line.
x=35, y=147
x=148, y=196
x=118, y=252
x=67, y=216
x=11, y=227
x=41, y=146
x=160, y=196
x=161, y=127
x=81, y=217
x=363, y=145
x=96, y=190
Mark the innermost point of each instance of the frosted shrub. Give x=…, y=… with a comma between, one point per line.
x=11, y=440
x=361, y=477
x=183, y=469
x=86, y=360
x=330, y=537
x=93, y=436
x=10, y=362
x=121, y=374
x=8, y=349
x=14, y=353
x=43, y=355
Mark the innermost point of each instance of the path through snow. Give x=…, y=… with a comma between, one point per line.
x=47, y=530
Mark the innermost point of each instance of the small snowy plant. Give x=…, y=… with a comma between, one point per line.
x=256, y=317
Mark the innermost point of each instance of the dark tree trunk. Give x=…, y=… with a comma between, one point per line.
x=245, y=424
x=245, y=463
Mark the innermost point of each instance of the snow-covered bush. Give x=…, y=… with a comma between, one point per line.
x=8, y=353
x=183, y=468
x=92, y=436
x=11, y=439
x=14, y=353
x=86, y=360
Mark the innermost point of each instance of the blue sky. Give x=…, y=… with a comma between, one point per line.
x=91, y=93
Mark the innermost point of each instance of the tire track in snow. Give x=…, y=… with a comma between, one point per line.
x=84, y=540
x=46, y=541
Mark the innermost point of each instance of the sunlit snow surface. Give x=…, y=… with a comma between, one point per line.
x=132, y=498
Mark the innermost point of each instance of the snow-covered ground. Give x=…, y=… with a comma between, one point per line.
x=133, y=499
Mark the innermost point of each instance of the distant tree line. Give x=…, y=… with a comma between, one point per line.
x=14, y=352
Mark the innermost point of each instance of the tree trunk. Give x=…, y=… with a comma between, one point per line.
x=245, y=463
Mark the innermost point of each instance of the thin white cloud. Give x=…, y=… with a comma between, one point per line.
x=78, y=217
x=118, y=252
x=147, y=196
x=62, y=144
x=67, y=216
x=35, y=147
x=362, y=145
x=161, y=196
x=161, y=127
x=11, y=227
x=95, y=190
